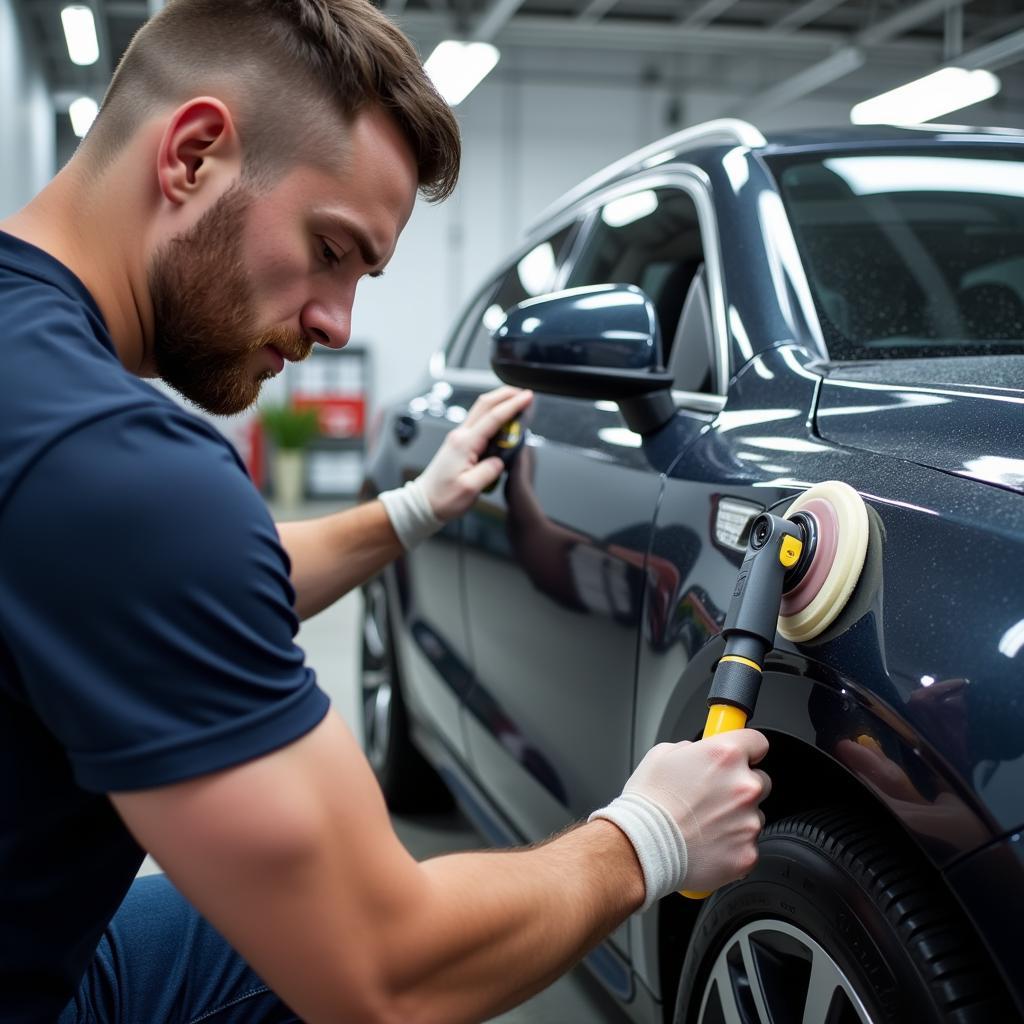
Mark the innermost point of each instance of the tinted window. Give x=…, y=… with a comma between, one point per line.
x=468, y=325
x=649, y=238
x=912, y=254
x=533, y=274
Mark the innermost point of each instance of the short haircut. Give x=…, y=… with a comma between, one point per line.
x=289, y=70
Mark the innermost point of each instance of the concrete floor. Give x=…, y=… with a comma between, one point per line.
x=330, y=641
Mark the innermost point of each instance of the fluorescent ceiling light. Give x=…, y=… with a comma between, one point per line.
x=456, y=69
x=927, y=98
x=620, y=212
x=80, y=33
x=83, y=112
x=873, y=175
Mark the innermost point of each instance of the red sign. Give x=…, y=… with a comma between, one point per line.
x=339, y=416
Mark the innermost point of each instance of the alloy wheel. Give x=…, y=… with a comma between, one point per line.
x=377, y=675
x=770, y=970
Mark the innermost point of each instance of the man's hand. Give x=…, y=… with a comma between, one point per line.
x=331, y=555
x=456, y=475
x=691, y=811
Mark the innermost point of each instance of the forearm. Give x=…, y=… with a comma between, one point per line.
x=497, y=927
x=334, y=554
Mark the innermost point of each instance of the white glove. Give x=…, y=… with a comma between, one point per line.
x=690, y=811
x=455, y=476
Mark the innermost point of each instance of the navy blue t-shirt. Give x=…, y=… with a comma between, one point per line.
x=146, y=621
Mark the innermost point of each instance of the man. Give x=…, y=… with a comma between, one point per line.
x=252, y=162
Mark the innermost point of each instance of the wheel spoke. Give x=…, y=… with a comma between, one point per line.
x=821, y=988
x=754, y=979
x=722, y=978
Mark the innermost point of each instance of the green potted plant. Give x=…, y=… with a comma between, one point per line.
x=290, y=430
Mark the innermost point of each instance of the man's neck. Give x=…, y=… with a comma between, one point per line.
x=83, y=225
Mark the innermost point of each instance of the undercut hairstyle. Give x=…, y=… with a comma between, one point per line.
x=292, y=72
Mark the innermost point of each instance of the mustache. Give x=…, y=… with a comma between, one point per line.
x=291, y=344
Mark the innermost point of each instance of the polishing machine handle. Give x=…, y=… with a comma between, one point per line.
x=773, y=552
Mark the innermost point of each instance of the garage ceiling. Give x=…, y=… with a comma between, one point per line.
x=829, y=38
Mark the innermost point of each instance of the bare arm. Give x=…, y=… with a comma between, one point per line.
x=335, y=554
x=293, y=858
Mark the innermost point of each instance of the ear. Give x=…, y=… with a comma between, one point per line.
x=199, y=144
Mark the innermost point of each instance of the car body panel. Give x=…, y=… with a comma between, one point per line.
x=903, y=409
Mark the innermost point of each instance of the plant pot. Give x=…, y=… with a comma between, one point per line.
x=289, y=477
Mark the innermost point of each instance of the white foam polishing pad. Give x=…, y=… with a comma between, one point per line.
x=810, y=608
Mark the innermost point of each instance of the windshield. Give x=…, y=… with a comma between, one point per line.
x=911, y=255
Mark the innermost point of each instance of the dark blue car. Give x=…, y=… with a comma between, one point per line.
x=713, y=325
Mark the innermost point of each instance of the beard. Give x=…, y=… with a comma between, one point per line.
x=205, y=332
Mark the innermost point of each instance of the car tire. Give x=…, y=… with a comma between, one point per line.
x=410, y=785
x=840, y=922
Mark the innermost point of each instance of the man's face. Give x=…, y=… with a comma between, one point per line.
x=263, y=276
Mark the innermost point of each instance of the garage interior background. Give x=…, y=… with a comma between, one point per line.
x=579, y=83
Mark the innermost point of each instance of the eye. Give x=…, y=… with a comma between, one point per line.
x=330, y=257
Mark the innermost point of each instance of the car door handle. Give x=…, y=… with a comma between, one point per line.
x=406, y=428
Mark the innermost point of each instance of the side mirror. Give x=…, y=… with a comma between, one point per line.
x=598, y=342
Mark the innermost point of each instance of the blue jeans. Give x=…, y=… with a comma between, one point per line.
x=159, y=962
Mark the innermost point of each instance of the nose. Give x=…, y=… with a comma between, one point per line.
x=328, y=325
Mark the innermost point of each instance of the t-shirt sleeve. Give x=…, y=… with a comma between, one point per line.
x=147, y=602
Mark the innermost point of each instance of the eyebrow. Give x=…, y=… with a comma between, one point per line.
x=367, y=250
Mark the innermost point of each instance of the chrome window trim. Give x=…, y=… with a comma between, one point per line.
x=698, y=401
x=727, y=129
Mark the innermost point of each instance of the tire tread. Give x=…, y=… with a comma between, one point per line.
x=932, y=928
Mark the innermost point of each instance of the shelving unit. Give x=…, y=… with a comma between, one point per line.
x=335, y=382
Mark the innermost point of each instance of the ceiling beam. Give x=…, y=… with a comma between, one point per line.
x=993, y=55
x=595, y=11
x=909, y=17
x=633, y=35
x=127, y=9
x=494, y=19
x=706, y=13
x=849, y=58
x=953, y=33
x=805, y=14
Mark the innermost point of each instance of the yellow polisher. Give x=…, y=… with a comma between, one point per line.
x=799, y=572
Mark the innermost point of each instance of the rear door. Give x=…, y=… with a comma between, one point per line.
x=431, y=637
x=554, y=559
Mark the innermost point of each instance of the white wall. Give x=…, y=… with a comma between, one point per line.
x=26, y=115
x=530, y=133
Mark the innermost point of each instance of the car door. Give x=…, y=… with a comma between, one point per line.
x=555, y=558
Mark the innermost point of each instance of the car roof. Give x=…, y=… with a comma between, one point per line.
x=728, y=133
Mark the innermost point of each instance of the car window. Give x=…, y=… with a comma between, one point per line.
x=468, y=324
x=651, y=238
x=911, y=254
x=531, y=275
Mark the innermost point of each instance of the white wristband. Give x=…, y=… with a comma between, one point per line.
x=659, y=845
x=410, y=513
